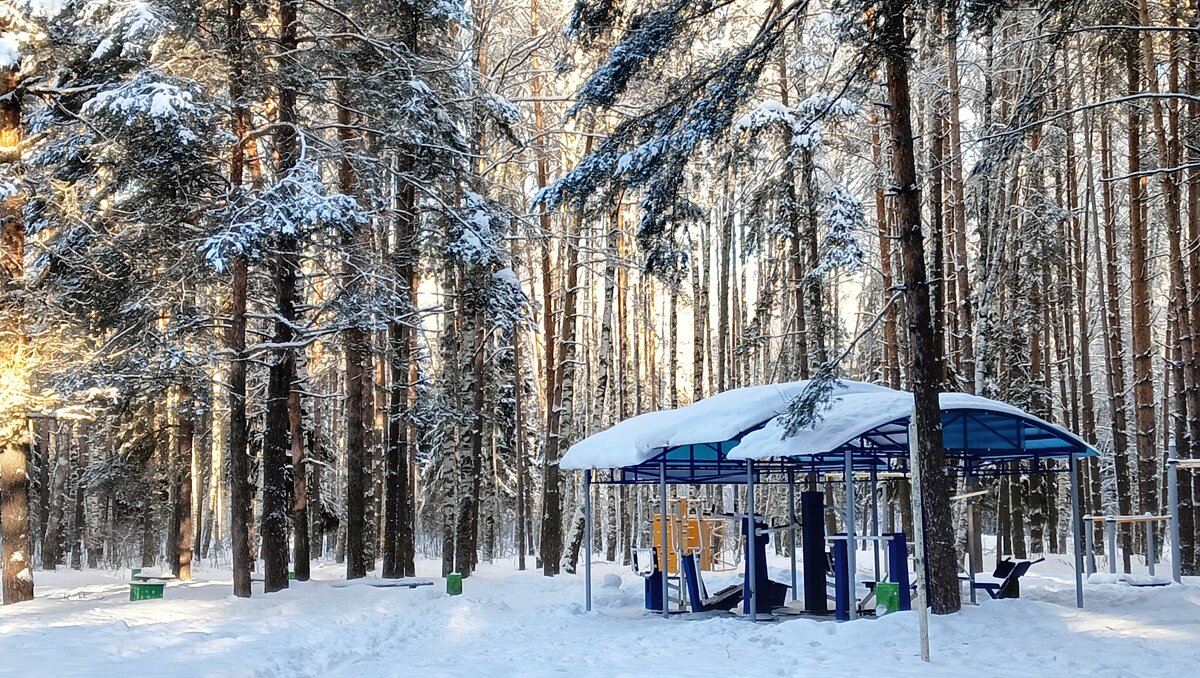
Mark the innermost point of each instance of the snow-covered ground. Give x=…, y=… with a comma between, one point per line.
x=511, y=623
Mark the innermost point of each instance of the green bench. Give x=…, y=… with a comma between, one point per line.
x=145, y=590
x=146, y=586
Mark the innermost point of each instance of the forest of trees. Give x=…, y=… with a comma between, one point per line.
x=287, y=280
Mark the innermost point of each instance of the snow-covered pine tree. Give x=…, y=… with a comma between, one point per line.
x=125, y=178
x=16, y=568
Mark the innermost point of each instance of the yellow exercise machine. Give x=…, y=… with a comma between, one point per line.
x=690, y=532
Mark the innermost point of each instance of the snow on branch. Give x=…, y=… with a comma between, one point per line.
x=803, y=121
x=130, y=29
x=166, y=106
x=295, y=206
x=506, y=301
x=807, y=408
x=647, y=38
x=844, y=217
x=478, y=232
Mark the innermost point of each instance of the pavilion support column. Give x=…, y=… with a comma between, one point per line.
x=751, y=535
x=875, y=514
x=587, y=539
x=851, y=545
x=974, y=555
x=665, y=558
x=792, y=520
x=1076, y=525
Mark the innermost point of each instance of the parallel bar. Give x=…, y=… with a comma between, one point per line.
x=1147, y=518
x=1173, y=504
x=1090, y=539
x=1076, y=525
x=1110, y=533
x=1151, y=551
x=587, y=538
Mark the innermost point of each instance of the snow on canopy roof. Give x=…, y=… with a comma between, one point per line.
x=883, y=417
x=718, y=418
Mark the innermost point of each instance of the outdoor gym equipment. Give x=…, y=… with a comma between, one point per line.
x=1110, y=537
x=686, y=544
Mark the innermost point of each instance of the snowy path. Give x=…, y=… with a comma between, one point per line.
x=522, y=624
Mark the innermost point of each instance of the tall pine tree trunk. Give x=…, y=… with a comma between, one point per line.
x=398, y=555
x=240, y=494
x=16, y=582
x=17, y=579
x=1115, y=345
x=559, y=423
x=1189, y=492
x=298, y=427
x=277, y=448
x=185, y=442
x=1145, y=429
x=1168, y=142
x=891, y=367
x=964, y=341
x=927, y=356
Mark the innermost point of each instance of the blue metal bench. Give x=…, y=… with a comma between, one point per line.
x=1009, y=573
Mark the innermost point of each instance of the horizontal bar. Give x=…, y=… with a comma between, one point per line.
x=1128, y=519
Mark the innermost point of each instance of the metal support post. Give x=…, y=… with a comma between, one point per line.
x=1173, y=504
x=587, y=538
x=972, y=530
x=792, y=513
x=664, y=559
x=1076, y=525
x=1090, y=538
x=1110, y=535
x=751, y=535
x=918, y=513
x=851, y=544
x=1150, y=548
x=875, y=515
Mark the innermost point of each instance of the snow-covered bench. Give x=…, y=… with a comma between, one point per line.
x=402, y=582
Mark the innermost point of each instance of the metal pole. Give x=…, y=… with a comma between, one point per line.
x=1173, y=504
x=887, y=501
x=1089, y=537
x=851, y=545
x=875, y=514
x=918, y=512
x=1110, y=534
x=972, y=530
x=1150, y=546
x=662, y=496
x=751, y=535
x=1076, y=524
x=792, y=512
x=587, y=537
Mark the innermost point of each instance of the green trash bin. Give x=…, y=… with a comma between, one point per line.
x=887, y=598
x=454, y=584
x=140, y=590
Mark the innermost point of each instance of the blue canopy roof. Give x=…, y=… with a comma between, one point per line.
x=980, y=436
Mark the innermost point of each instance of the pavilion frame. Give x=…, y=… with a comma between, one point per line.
x=977, y=442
